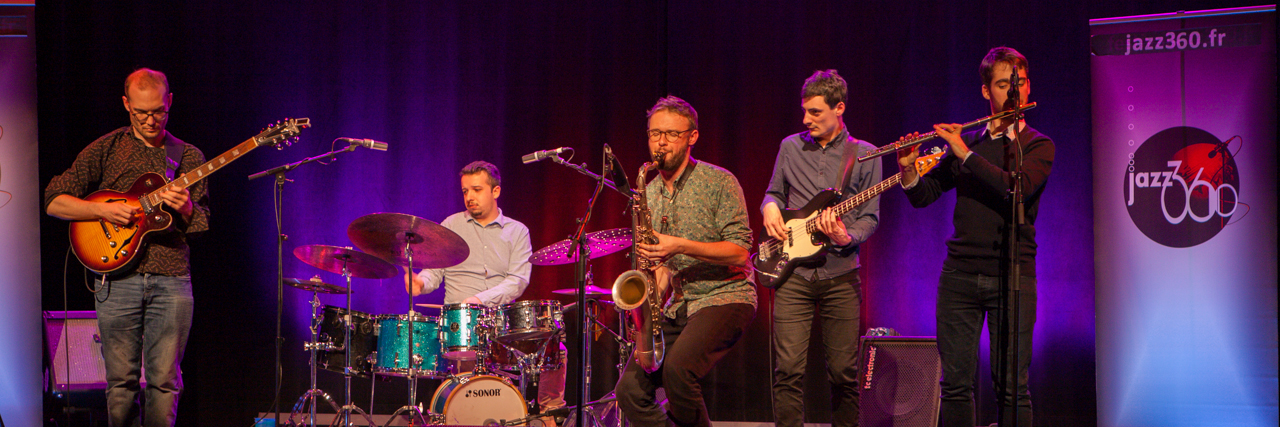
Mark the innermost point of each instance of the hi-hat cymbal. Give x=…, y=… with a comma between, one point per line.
x=315, y=285
x=386, y=235
x=600, y=243
x=592, y=291
x=334, y=259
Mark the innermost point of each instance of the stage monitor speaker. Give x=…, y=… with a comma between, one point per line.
x=899, y=382
x=76, y=337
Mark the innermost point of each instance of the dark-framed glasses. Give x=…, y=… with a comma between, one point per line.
x=142, y=115
x=671, y=135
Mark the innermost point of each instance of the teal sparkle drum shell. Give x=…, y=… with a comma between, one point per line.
x=393, y=346
x=462, y=330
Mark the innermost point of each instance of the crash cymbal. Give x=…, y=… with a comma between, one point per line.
x=333, y=259
x=315, y=285
x=600, y=243
x=592, y=291
x=387, y=234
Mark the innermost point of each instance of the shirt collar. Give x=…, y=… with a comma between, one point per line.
x=835, y=142
x=501, y=220
x=1022, y=125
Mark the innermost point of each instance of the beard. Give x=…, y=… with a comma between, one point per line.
x=671, y=160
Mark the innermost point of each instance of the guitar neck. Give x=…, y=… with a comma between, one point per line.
x=866, y=195
x=195, y=175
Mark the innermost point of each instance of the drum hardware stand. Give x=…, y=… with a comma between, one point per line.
x=278, y=205
x=625, y=347
x=347, y=371
x=314, y=394
x=412, y=410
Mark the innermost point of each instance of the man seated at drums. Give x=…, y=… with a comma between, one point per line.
x=497, y=270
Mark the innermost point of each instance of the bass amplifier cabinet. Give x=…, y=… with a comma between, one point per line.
x=898, y=381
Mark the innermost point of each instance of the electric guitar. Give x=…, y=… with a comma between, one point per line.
x=776, y=260
x=104, y=247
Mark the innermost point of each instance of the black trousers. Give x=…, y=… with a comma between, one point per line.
x=838, y=303
x=964, y=300
x=694, y=344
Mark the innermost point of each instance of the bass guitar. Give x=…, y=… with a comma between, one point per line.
x=104, y=247
x=776, y=259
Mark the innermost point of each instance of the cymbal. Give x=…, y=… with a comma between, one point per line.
x=592, y=291
x=387, y=234
x=333, y=259
x=315, y=285
x=600, y=243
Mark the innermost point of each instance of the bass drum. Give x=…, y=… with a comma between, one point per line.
x=478, y=400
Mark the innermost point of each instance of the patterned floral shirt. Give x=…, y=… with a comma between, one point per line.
x=708, y=207
x=114, y=162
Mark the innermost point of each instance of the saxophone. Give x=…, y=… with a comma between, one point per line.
x=636, y=290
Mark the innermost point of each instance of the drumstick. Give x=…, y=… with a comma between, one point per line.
x=437, y=306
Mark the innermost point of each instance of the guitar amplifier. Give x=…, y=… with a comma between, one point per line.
x=75, y=352
x=898, y=382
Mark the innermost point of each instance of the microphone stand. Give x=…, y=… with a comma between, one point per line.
x=278, y=205
x=579, y=247
x=1017, y=218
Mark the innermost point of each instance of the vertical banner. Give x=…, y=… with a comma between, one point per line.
x=1184, y=183
x=20, y=376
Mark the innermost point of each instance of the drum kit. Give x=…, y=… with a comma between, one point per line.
x=517, y=341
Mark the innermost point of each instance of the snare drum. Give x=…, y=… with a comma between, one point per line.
x=504, y=357
x=528, y=321
x=393, y=346
x=462, y=330
x=333, y=357
x=478, y=400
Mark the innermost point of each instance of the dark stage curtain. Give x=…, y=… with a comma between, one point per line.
x=445, y=83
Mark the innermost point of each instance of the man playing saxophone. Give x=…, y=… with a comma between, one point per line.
x=699, y=219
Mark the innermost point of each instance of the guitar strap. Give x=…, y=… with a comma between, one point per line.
x=173, y=150
x=850, y=159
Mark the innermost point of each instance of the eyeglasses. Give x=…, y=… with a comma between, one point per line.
x=142, y=115
x=671, y=135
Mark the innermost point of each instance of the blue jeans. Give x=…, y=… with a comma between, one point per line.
x=964, y=300
x=144, y=315
x=838, y=302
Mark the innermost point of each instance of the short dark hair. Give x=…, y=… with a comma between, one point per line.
x=999, y=55
x=675, y=105
x=828, y=84
x=146, y=77
x=495, y=178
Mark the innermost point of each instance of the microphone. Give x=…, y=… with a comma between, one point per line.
x=1014, y=83
x=366, y=143
x=537, y=156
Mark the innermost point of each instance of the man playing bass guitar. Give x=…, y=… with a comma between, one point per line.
x=808, y=163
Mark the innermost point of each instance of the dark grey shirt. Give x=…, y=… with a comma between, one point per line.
x=803, y=169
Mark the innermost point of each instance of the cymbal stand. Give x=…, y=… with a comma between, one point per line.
x=347, y=371
x=411, y=410
x=625, y=346
x=314, y=394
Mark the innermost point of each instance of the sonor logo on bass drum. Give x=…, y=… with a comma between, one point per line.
x=487, y=392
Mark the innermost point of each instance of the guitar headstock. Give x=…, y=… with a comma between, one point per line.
x=928, y=160
x=283, y=133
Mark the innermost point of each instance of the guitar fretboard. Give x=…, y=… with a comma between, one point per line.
x=195, y=175
x=857, y=200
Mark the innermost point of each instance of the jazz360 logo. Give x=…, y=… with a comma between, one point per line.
x=1182, y=186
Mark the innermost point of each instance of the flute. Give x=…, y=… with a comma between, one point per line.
x=894, y=147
